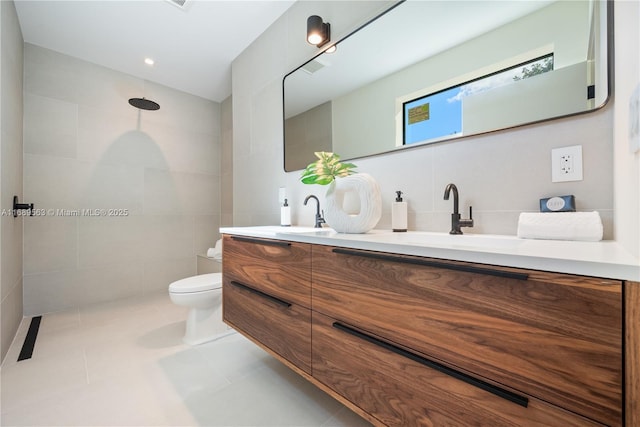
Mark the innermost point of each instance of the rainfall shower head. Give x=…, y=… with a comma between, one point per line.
x=144, y=104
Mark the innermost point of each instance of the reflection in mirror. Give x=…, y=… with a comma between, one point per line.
x=425, y=72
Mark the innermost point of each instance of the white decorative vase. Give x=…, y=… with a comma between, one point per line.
x=363, y=187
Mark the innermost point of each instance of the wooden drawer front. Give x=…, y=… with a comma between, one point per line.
x=400, y=389
x=278, y=268
x=555, y=337
x=284, y=328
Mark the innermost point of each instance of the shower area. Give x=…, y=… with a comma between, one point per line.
x=126, y=178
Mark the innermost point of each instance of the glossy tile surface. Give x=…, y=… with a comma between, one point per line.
x=123, y=363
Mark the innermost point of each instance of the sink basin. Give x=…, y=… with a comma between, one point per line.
x=466, y=241
x=278, y=229
x=484, y=242
x=306, y=230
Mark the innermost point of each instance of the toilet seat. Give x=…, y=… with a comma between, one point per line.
x=200, y=283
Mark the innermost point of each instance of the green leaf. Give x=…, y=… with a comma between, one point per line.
x=327, y=168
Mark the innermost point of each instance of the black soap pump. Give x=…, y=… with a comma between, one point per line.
x=399, y=213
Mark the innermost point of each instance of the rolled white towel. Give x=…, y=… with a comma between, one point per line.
x=215, y=252
x=582, y=226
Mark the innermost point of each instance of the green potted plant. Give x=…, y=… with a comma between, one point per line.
x=342, y=179
x=326, y=169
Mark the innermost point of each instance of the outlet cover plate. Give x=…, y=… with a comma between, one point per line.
x=566, y=164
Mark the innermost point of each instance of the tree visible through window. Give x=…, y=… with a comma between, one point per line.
x=538, y=67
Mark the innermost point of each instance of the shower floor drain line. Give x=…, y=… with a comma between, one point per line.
x=30, y=341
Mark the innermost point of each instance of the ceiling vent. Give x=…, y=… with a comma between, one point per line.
x=182, y=4
x=313, y=66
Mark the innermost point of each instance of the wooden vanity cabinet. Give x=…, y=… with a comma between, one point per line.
x=266, y=295
x=552, y=338
x=406, y=340
x=400, y=388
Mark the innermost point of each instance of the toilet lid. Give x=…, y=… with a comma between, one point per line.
x=202, y=282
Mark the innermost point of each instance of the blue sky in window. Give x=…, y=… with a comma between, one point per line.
x=445, y=117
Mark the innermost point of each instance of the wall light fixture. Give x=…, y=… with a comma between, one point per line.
x=318, y=32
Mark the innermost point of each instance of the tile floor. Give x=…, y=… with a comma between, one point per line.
x=123, y=364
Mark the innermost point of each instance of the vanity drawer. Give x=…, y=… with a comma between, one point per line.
x=276, y=267
x=283, y=327
x=552, y=336
x=403, y=388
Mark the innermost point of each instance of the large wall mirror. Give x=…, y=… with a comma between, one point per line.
x=431, y=71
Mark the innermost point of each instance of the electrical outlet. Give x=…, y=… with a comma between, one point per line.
x=566, y=164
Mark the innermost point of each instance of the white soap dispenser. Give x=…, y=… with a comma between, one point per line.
x=285, y=214
x=399, y=213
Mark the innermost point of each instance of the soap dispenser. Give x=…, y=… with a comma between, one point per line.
x=399, y=213
x=285, y=214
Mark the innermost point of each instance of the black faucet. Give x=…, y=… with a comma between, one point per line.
x=319, y=219
x=456, y=222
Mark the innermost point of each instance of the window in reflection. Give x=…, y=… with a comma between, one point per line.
x=439, y=115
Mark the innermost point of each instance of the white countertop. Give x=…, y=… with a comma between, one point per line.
x=605, y=259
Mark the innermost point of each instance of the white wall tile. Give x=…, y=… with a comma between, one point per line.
x=161, y=168
x=50, y=244
x=626, y=160
x=49, y=74
x=104, y=88
x=185, y=150
x=51, y=291
x=11, y=313
x=170, y=193
x=50, y=126
x=111, y=282
x=111, y=187
x=266, y=111
x=110, y=240
x=114, y=136
x=51, y=182
x=12, y=258
x=168, y=237
x=183, y=110
x=208, y=232
x=11, y=168
x=158, y=275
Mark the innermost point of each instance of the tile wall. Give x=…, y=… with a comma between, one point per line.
x=125, y=198
x=10, y=174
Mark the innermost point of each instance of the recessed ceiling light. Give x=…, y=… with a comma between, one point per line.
x=149, y=61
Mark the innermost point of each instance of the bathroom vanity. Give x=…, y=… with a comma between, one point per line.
x=422, y=329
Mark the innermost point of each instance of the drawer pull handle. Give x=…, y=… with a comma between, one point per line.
x=261, y=242
x=437, y=264
x=500, y=392
x=261, y=294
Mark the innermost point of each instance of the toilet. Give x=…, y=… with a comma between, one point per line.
x=203, y=294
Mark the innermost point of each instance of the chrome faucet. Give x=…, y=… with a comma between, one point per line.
x=456, y=222
x=319, y=219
